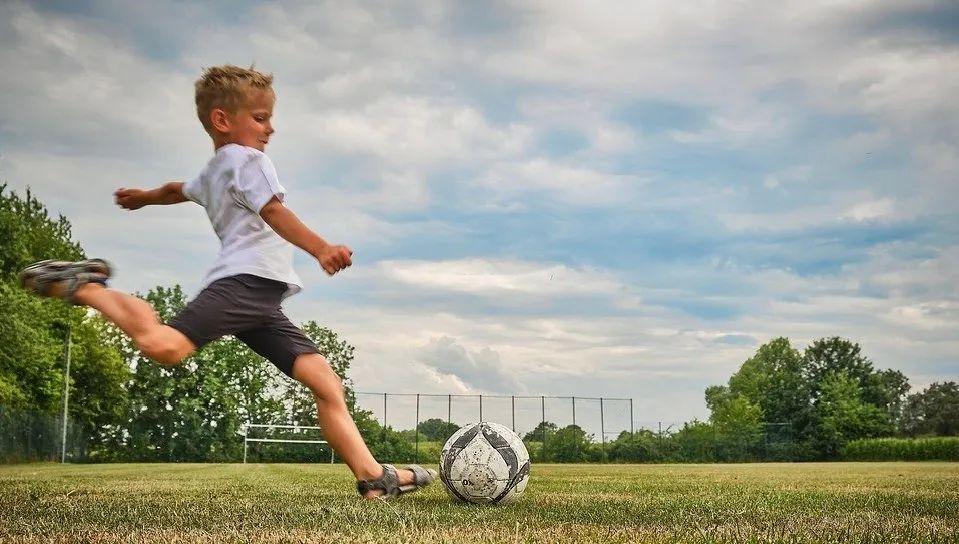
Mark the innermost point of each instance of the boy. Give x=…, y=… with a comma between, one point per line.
x=253, y=273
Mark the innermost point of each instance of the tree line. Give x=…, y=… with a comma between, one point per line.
x=789, y=405
x=782, y=403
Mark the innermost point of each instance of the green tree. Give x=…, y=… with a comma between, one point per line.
x=773, y=380
x=195, y=411
x=642, y=446
x=34, y=329
x=835, y=355
x=695, y=442
x=544, y=428
x=437, y=429
x=738, y=425
x=843, y=415
x=934, y=411
x=570, y=444
x=385, y=444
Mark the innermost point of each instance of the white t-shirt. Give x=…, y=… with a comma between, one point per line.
x=233, y=187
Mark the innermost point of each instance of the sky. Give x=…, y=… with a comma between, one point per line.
x=617, y=199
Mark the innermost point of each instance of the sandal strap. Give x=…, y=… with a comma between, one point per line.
x=61, y=284
x=389, y=482
x=421, y=476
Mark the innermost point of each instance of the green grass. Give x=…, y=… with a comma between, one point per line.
x=170, y=503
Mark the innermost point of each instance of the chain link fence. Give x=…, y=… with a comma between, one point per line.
x=30, y=436
x=602, y=418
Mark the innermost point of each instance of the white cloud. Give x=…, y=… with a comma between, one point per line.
x=873, y=209
x=401, y=126
x=571, y=185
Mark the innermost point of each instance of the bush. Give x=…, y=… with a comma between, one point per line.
x=903, y=449
x=640, y=447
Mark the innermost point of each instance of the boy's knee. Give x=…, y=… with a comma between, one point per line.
x=162, y=349
x=313, y=371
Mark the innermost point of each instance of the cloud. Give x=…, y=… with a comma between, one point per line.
x=477, y=371
x=592, y=202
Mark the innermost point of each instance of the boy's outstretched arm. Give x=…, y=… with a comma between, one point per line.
x=288, y=225
x=134, y=199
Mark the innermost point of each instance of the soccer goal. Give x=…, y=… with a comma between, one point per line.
x=247, y=439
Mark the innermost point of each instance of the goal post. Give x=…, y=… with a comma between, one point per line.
x=247, y=439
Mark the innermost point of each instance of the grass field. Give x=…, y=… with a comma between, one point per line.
x=169, y=503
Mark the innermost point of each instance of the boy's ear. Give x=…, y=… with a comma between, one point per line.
x=220, y=120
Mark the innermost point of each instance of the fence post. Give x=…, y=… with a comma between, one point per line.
x=66, y=399
x=602, y=426
x=416, y=429
x=543, y=401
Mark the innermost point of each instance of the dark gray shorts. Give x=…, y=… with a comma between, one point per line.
x=248, y=307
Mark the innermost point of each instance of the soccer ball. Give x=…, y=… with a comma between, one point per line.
x=484, y=463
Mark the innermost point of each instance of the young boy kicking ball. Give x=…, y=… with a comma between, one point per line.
x=252, y=275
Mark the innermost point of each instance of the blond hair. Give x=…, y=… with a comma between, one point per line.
x=228, y=88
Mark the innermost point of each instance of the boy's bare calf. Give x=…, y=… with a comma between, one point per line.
x=137, y=319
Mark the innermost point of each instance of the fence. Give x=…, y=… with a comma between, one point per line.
x=31, y=436
x=603, y=417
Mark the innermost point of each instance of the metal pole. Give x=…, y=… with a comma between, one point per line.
x=449, y=408
x=543, y=401
x=513, y=402
x=481, y=408
x=66, y=399
x=602, y=426
x=574, y=411
x=631, y=432
x=383, y=432
x=416, y=429
x=244, y=449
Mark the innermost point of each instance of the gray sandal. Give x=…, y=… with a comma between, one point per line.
x=389, y=482
x=61, y=279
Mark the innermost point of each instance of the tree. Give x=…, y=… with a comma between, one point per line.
x=835, y=355
x=436, y=429
x=773, y=380
x=933, y=411
x=34, y=329
x=695, y=442
x=843, y=415
x=384, y=443
x=543, y=429
x=770, y=385
x=642, y=446
x=570, y=444
x=195, y=411
x=738, y=424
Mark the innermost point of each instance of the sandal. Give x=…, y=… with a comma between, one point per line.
x=93, y=266
x=61, y=279
x=389, y=482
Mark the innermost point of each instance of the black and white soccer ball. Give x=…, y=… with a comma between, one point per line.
x=485, y=463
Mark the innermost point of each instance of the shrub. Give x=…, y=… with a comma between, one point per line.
x=903, y=449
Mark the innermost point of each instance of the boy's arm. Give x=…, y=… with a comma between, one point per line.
x=134, y=199
x=288, y=225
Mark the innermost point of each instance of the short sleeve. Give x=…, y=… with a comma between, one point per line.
x=257, y=184
x=191, y=190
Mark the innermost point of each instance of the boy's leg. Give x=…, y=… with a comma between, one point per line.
x=137, y=319
x=338, y=426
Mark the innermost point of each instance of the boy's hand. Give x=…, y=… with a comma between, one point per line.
x=131, y=199
x=335, y=258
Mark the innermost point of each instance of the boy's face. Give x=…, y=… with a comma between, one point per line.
x=251, y=124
